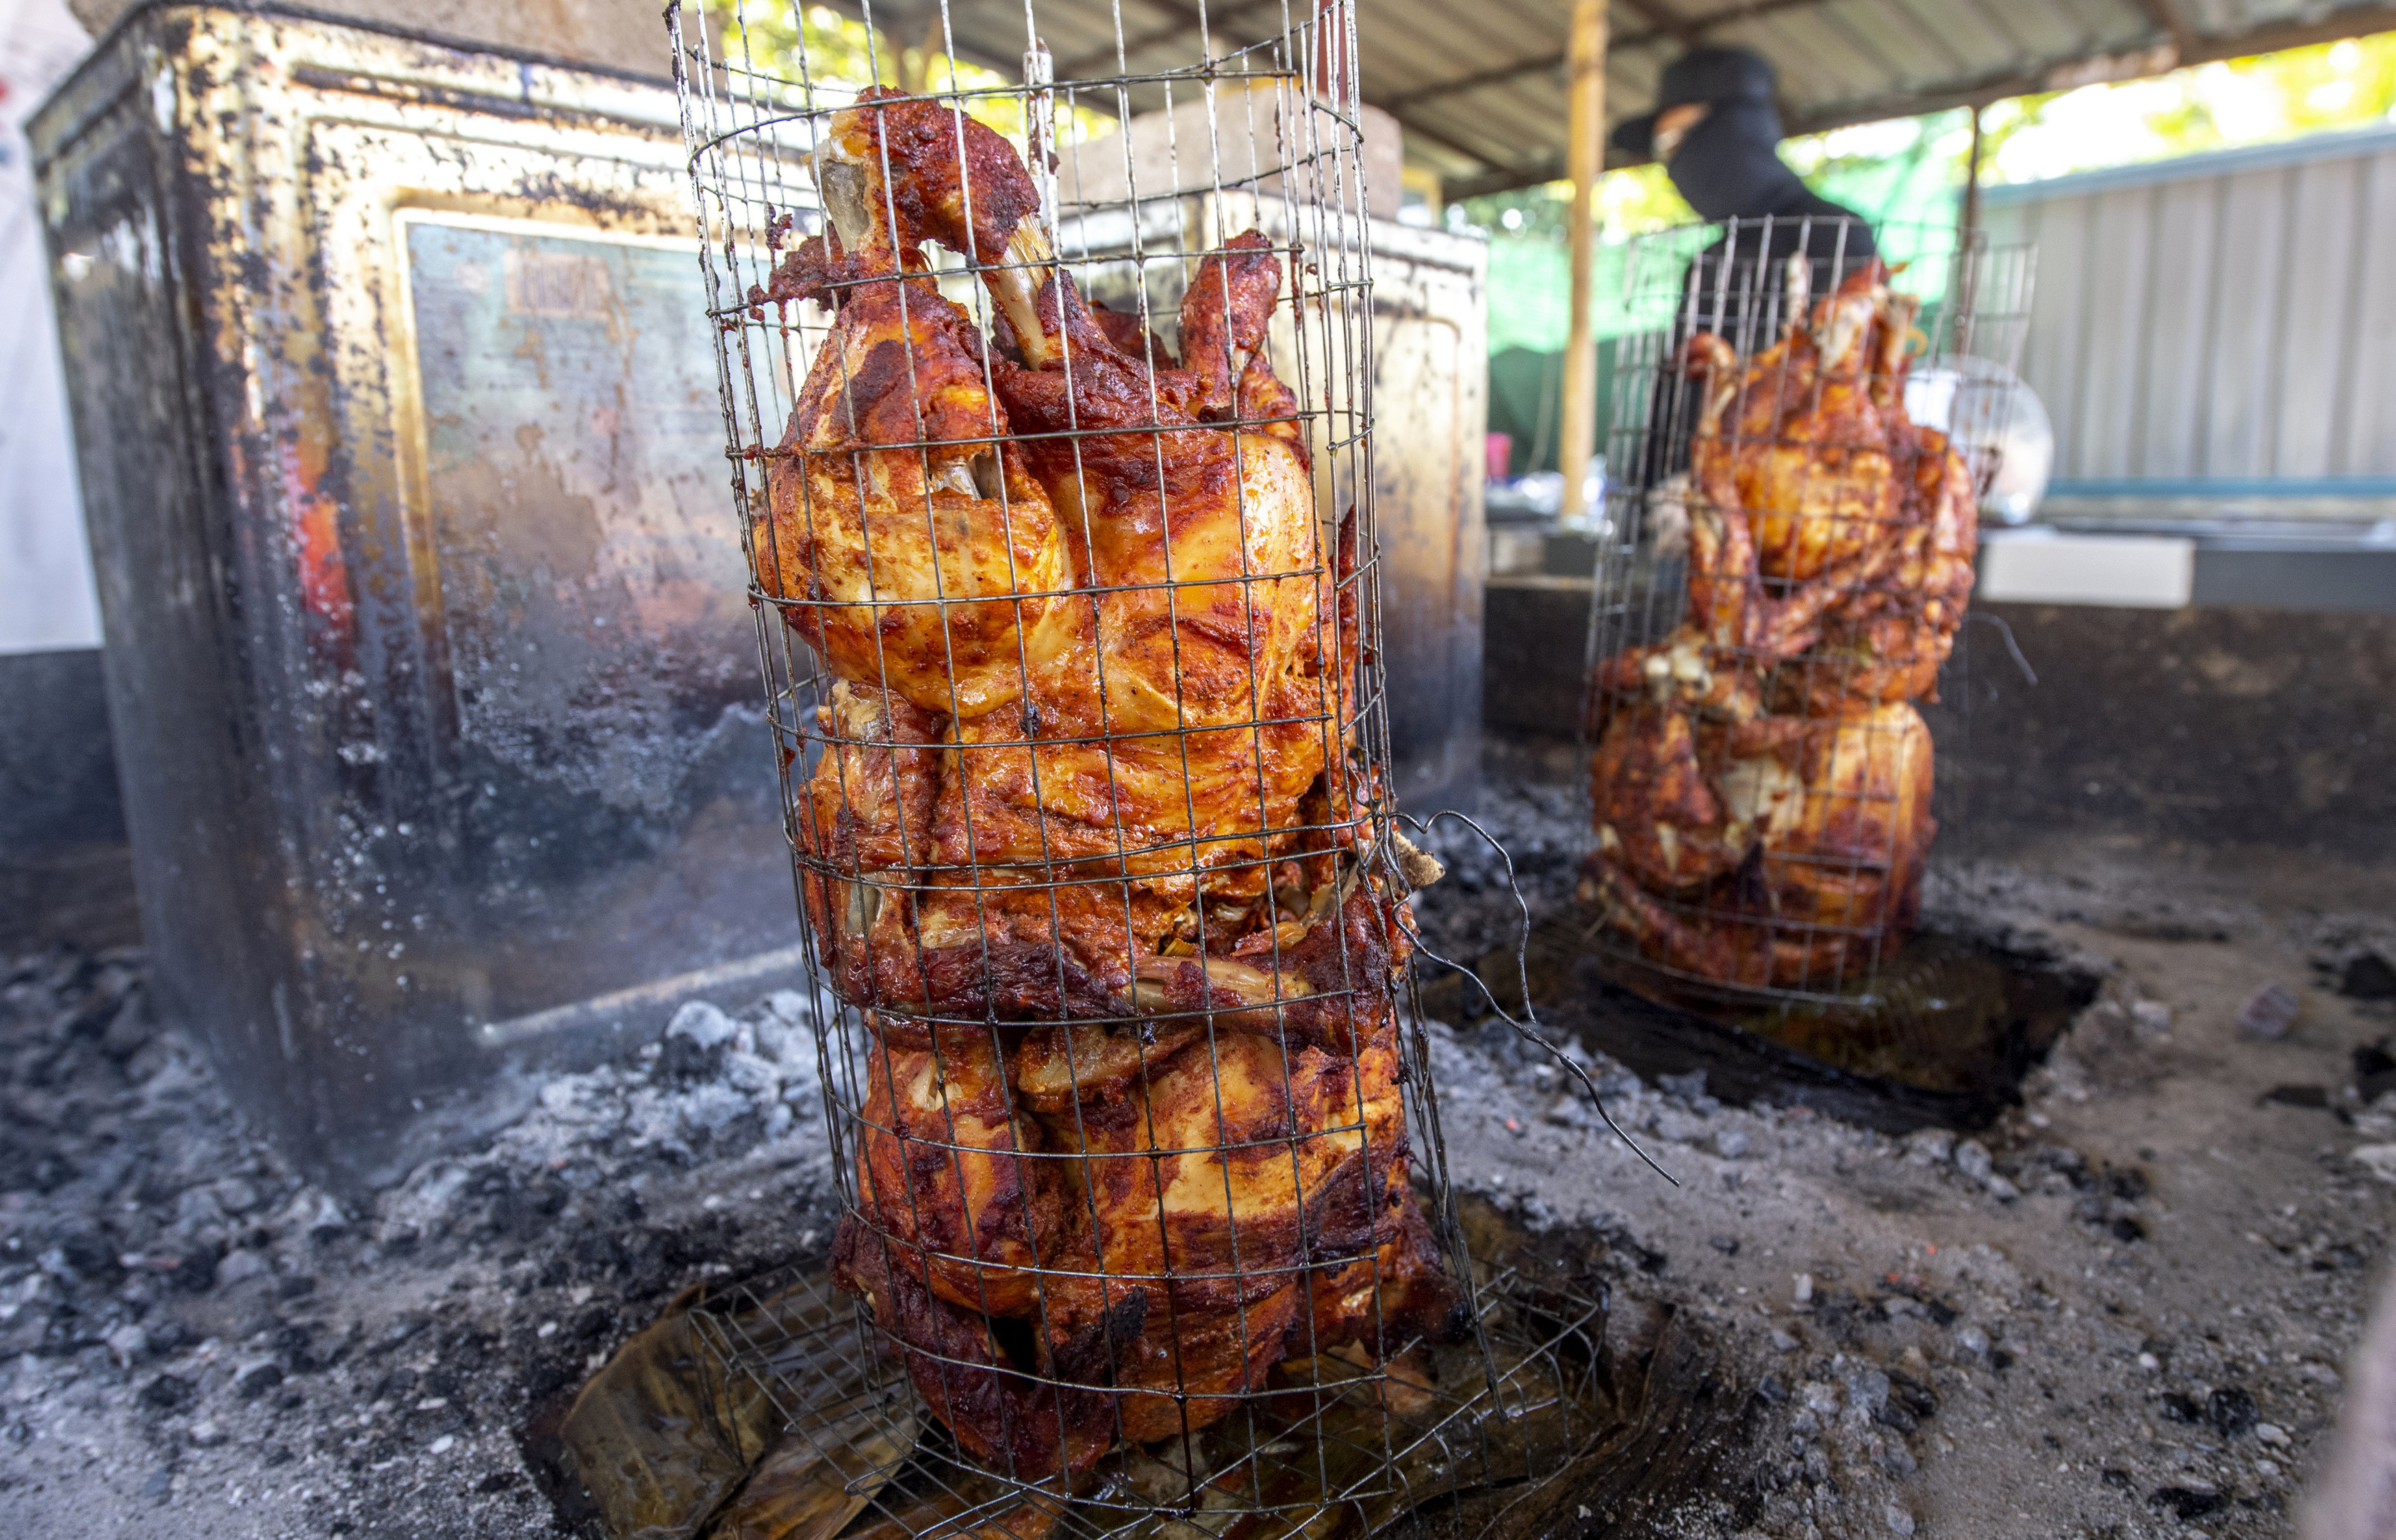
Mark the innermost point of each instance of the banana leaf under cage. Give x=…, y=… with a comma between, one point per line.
x=1048, y=405
x=1803, y=424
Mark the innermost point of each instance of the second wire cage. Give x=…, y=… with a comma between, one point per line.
x=1802, y=427
x=1050, y=415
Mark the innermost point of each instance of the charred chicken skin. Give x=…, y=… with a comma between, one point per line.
x=1084, y=840
x=1761, y=784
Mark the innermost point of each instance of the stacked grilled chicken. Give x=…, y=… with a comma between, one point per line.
x=1084, y=842
x=1762, y=779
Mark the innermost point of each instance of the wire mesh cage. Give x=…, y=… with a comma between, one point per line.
x=1048, y=403
x=1804, y=421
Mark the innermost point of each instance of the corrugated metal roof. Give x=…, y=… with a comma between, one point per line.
x=1479, y=84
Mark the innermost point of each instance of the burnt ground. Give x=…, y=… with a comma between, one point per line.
x=2123, y=1309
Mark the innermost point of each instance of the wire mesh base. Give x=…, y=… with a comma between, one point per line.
x=1331, y=1449
x=1940, y=1037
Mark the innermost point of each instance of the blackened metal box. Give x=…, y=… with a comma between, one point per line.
x=428, y=654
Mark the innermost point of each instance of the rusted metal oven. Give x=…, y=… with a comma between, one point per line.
x=429, y=653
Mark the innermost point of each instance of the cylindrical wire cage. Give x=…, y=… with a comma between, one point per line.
x=1802, y=428
x=1048, y=405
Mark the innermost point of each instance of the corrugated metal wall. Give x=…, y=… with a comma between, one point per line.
x=2222, y=324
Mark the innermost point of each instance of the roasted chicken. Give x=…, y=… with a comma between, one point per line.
x=1785, y=851
x=1152, y=696
x=1761, y=784
x=1084, y=839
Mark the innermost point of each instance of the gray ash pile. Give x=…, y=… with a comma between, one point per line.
x=2125, y=1307
x=193, y=1337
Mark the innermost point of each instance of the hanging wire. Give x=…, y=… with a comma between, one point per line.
x=1528, y=1027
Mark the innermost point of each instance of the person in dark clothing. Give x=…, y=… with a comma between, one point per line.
x=1716, y=131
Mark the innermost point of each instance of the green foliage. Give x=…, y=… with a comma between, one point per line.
x=2332, y=85
x=1905, y=174
x=822, y=59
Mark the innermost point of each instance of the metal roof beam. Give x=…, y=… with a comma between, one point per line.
x=2354, y=21
x=2165, y=15
x=1445, y=142
x=1504, y=178
x=2059, y=74
x=1690, y=31
x=1512, y=179
x=2053, y=74
x=1473, y=81
x=1662, y=18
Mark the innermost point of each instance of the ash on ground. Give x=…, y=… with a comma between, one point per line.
x=2123, y=1310
x=192, y=1336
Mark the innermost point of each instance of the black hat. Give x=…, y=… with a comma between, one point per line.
x=1712, y=75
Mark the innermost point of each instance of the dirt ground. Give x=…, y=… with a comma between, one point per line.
x=2125, y=1309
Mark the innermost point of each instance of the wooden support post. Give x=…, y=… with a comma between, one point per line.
x=1585, y=157
x=1967, y=233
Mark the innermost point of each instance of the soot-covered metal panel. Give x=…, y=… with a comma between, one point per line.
x=429, y=656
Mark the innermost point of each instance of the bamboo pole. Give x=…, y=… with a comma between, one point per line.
x=1585, y=157
x=1966, y=242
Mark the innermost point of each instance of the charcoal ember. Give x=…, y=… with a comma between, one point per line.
x=169, y=1393
x=2375, y=1069
x=2189, y=1503
x=200, y=1209
x=255, y=1377
x=2367, y=975
x=400, y=1331
x=88, y=1255
x=194, y=1269
x=1911, y=1396
x=129, y=1031
x=241, y=1264
x=294, y=1343
x=316, y=1216
x=1689, y=1087
x=696, y=1042
x=2231, y=1410
x=518, y=1207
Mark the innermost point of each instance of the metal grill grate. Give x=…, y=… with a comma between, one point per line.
x=1800, y=437
x=1336, y=1445
x=1051, y=431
